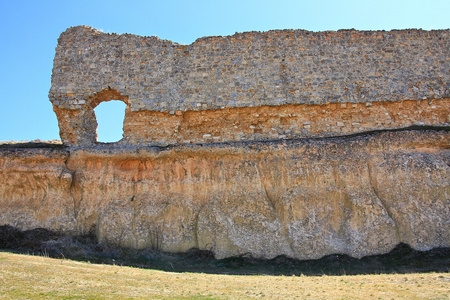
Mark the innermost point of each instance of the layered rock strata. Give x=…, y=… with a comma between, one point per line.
x=256, y=143
x=304, y=198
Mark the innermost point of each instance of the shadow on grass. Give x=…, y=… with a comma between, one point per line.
x=402, y=259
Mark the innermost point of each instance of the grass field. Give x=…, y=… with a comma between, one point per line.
x=37, y=277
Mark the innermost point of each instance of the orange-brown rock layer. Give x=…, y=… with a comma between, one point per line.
x=284, y=121
x=304, y=198
x=255, y=123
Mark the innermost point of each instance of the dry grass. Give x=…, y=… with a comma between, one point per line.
x=35, y=277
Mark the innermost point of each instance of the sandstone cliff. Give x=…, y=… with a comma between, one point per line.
x=304, y=198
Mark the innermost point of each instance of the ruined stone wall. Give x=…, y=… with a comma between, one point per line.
x=247, y=70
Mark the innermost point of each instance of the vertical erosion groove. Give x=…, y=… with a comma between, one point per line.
x=261, y=177
x=274, y=205
x=374, y=186
x=70, y=190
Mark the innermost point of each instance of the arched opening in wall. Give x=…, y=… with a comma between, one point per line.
x=110, y=116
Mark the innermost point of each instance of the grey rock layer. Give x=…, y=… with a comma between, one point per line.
x=251, y=69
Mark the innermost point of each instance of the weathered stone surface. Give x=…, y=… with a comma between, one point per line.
x=303, y=198
x=243, y=173
x=35, y=189
x=252, y=68
x=173, y=91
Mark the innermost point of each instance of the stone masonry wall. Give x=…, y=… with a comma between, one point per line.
x=274, y=69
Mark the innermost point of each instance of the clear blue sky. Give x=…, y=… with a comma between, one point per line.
x=29, y=31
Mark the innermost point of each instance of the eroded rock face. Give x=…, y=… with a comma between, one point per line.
x=303, y=198
x=35, y=189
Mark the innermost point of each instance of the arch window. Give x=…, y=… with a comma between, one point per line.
x=110, y=116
